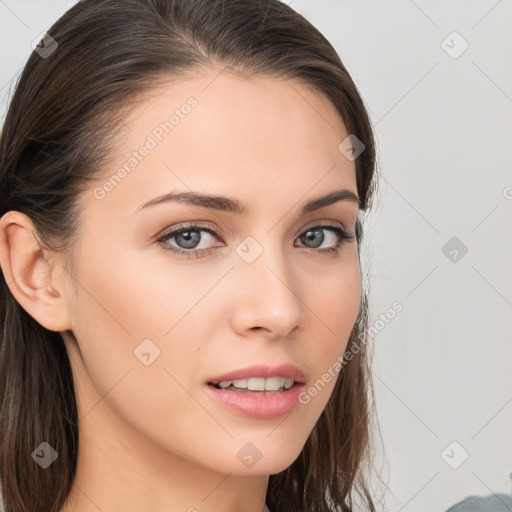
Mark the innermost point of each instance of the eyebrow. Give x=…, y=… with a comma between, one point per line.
x=227, y=204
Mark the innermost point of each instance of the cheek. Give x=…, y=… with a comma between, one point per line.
x=127, y=309
x=138, y=296
x=334, y=303
x=123, y=304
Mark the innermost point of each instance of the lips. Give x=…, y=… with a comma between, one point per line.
x=287, y=370
x=258, y=404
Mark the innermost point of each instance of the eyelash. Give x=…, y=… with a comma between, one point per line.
x=341, y=233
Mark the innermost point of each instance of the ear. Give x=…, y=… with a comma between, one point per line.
x=37, y=285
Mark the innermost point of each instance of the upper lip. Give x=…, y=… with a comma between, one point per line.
x=287, y=370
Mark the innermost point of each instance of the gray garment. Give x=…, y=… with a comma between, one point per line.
x=491, y=503
x=2, y=508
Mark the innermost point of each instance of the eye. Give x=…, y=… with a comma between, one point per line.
x=188, y=238
x=339, y=232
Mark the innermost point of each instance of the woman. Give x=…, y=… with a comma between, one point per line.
x=183, y=317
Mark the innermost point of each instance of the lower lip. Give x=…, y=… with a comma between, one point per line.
x=257, y=404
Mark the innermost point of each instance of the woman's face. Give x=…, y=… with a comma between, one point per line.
x=152, y=327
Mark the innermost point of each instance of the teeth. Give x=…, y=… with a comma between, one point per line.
x=259, y=384
x=272, y=383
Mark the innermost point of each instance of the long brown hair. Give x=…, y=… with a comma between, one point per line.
x=58, y=133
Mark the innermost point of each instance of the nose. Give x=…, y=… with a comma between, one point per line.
x=268, y=299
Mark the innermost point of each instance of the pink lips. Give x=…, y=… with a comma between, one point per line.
x=289, y=371
x=259, y=404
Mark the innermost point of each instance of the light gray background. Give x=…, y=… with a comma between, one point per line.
x=442, y=366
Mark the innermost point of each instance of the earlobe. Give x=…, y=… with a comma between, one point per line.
x=32, y=279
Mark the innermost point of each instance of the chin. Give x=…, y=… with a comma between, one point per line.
x=269, y=457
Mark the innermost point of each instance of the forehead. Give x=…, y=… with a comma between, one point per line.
x=230, y=135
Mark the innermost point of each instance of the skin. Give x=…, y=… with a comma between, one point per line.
x=150, y=437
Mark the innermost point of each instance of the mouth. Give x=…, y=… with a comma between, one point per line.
x=259, y=391
x=260, y=379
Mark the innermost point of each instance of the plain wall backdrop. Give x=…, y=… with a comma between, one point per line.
x=437, y=79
